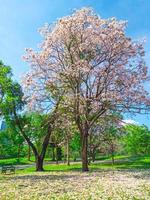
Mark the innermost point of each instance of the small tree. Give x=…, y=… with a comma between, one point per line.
x=111, y=140
x=64, y=132
x=105, y=135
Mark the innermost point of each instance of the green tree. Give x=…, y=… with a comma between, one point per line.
x=137, y=139
x=11, y=143
x=11, y=106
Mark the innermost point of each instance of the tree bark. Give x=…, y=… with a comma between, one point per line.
x=40, y=158
x=93, y=155
x=46, y=141
x=39, y=163
x=84, y=153
x=112, y=154
x=68, y=156
x=90, y=150
x=29, y=153
x=19, y=149
x=56, y=154
x=113, y=160
x=53, y=154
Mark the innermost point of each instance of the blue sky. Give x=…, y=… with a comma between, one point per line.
x=20, y=19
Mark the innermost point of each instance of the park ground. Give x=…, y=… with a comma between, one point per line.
x=128, y=178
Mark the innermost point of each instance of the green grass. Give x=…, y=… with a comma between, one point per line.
x=21, y=161
x=53, y=167
x=15, y=161
x=121, y=162
x=125, y=162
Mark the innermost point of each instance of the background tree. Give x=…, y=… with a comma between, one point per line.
x=75, y=145
x=57, y=141
x=105, y=135
x=64, y=133
x=11, y=144
x=10, y=103
x=111, y=140
x=136, y=140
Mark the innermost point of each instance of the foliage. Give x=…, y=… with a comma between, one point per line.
x=9, y=142
x=35, y=128
x=75, y=145
x=137, y=139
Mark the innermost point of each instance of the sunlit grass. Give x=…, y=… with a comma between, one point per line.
x=16, y=161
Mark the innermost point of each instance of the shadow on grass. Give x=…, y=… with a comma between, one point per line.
x=37, y=177
x=135, y=172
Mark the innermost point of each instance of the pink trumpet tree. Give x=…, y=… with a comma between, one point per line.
x=95, y=63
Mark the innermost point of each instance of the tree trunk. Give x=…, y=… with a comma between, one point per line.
x=19, y=149
x=90, y=151
x=112, y=154
x=68, y=157
x=39, y=163
x=53, y=153
x=93, y=155
x=56, y=155
x=113, y=160
x=29, y=153
x=84, y=152
x=40, y=159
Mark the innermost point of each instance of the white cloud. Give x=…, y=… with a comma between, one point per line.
x=128, y=121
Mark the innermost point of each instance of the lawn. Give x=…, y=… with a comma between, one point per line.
x=121, y=162
x=128, y=179
x=14, y=161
